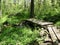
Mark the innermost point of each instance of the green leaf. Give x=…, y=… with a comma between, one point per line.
x=3, y=19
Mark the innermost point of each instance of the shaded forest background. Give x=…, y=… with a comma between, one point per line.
x=48, y=10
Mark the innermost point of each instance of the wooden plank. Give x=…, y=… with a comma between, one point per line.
x=53, y=37
x=47, y=39
x=45, y=23
x=39, y=22
x=58, y=43
x=57, y=33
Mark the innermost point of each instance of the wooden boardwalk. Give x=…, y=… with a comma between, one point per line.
x=52, y=30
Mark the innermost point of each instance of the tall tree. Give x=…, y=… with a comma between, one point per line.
x=32, y=9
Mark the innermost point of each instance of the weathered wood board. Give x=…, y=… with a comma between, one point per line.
x=42, y=23
x=47, y=39
x=53, y=37
x=57, y=33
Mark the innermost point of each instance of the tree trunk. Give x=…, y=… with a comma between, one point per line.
x=32, y=9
